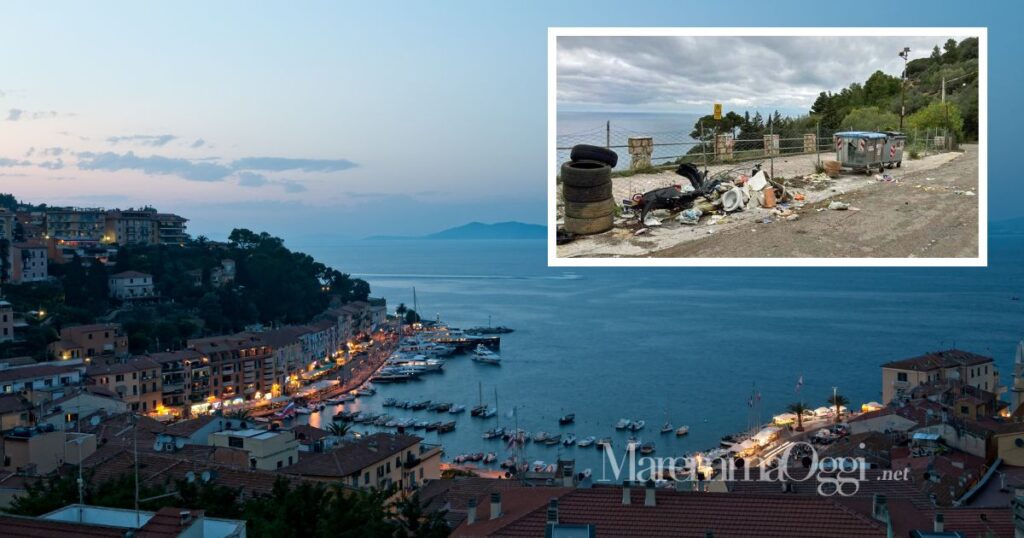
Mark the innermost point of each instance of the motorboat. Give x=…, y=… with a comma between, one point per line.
x=343, y=416
x=441, y=407
x=586, y=441
x=604, y=442
x=390, y=402
x=456, y=409
x=483, y=354
x=567, y=419
x=446, y=427
x=405, y=423
x=433, y=426
x=479, y=456
x=419, y=406
x=478, y=410
x=569, y=440
x=420, y=424
x=633, y=444
x=553, y=440
x=365, y=391
x=682, y=430
x=647, y=448
x=493, y=433
x=381, y=420
x=491, y=457
x=540, y=437
x=488, y=413
x=622, y=424
x=636, y=425
x=666, y=428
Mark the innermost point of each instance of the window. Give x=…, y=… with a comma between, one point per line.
x=964, y=410
x=388, y=469
x=280, y=464
x=119, y=377
x=236, y=442
x=366, y=479
x=901, y=376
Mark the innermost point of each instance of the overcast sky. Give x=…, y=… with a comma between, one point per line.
x=689, y=74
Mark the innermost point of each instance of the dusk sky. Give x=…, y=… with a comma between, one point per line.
x=336, y=120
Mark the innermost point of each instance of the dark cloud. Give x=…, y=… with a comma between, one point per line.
x=693, y=72
x=198, y=143
x=291, y=185
x=7, y=163
x=53, y=152
x=15, y=114
x=18, y=114
x=156, y=141
x=55, y=164
x=184, y=168
x=281, y=164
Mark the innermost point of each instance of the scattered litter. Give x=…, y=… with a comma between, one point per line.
x=767, y=219
x=820, y=176
x=963, y=193
x=929, y=179
x=793, y=217
x=886, y=178
x=839, y=206
x=759, y=181
x=798, y=197
x=641, y=231
x=732, y=200
x=651, y=220
x=690, y=216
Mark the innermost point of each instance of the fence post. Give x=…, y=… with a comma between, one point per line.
x=703, y=148
x=817, y=141
x=771, y=154
x=608, y=134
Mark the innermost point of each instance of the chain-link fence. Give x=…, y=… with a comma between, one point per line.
x=703, y=146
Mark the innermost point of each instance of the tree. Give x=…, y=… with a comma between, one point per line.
x=839, y=401
x=401, y=310
x=798, y=408
x=411, y=317
x=339, y=429
x=870, y=119
x=939, y=115
x=415, y=522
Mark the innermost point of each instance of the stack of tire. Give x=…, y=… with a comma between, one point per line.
x=587, y=190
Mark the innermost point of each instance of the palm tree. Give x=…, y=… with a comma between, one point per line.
x=239, y=414
x=339, y=429
x=401, y=310
x=838, y=400
x=798, y=409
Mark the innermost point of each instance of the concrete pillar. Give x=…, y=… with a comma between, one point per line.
x=724, y=145
x=771, y=144
x=640, y=150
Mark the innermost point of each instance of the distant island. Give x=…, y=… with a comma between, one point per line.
x=480, y=230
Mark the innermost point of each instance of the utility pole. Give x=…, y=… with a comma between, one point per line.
x=905, y=54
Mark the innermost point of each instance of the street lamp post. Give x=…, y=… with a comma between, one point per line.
x=905, y=54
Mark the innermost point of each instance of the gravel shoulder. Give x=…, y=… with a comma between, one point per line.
x=929, y=211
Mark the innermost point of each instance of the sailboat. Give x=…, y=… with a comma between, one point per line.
x=480, y=408
x=667, y=426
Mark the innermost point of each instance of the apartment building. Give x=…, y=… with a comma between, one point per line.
x=138, y=382
x=268, y=450
x=6, y=321
x=75, y=224
x=170, y=229
x=131, y=285
x=7, y=220
x=241, y=365
x=39, y=377
x=178, y=370
x=131, y=227
x=380, y=460
x=28, y=262
x=90, y=341
x=901, y=376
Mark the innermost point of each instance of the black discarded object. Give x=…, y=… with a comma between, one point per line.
x=673, y=198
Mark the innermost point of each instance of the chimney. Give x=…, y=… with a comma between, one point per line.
x=625, y=492
x=495, y=505
x=649, y=499
x=940, y=522
x=185, y=516
x=471, y=512
x=553, y=511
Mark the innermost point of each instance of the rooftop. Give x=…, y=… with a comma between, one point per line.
x=939, y=359
x=350, y=458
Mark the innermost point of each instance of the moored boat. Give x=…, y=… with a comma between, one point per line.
x=569, y=440
x=567, y=419
x=637, y=425
x=622, y=424
x=586, y=441
x=456, y=409
x=682, y=430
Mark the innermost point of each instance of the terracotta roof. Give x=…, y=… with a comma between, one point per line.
x=453, y=494
x=185, y=428
x=939, y=359
x=168, y=522
x=31, y=372
x=283, y=336
x=875, y=482
x=917, y=411
x=31, y=527
x=134, y=365
x=91, y=327
x=174, y=356
x=352, y=457
x=130, y=274
x=728, y=515
x=307, y=434
x=13, y=403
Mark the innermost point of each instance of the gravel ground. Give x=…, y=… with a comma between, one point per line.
x=912, y=217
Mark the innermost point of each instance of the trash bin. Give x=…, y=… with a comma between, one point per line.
x=860, y=150
x=892, y=151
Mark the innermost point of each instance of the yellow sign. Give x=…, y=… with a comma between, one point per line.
x=718, y=111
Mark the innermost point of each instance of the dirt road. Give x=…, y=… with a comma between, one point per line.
x=930, y=211
x=917, y=217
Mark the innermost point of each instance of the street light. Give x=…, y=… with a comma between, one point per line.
x=905, y=54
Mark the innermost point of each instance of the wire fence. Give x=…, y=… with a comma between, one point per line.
x=703, y=146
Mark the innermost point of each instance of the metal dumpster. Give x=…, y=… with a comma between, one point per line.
x=892, y=151
x=859, y=150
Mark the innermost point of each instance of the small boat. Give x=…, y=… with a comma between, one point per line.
x=647, y=448
x=540, y=437
x=636, y=425
x=441, y=407
x=390, y=402
x=456, y=409
x=553, y=440
x=538, y=466
x=433, y=426
x=382, y=420
x=484, y=355
x=488, y=413
x=476, y=411
x=633, y=444
x=419, y=406
x=567, y=419
x=491, y=457
x=479, y=456
x=461, y=458
x=420, y=424
x=347, y=397
x=391, y=423
x=494, y=433
x=343, y=416
x=446, y=427
x=666, y=428
x=365, y=391
x=622, y=424
x=682, y=430
x=405, y=423
x=569, y=440
x=334, y=401
x=586, y=441
x=303, y=411
x=604, y=442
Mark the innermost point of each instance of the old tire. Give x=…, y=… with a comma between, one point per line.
x=585, y=173
x=589, y=210
x=586, y=152
x=587, y=194
x=588, y=226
